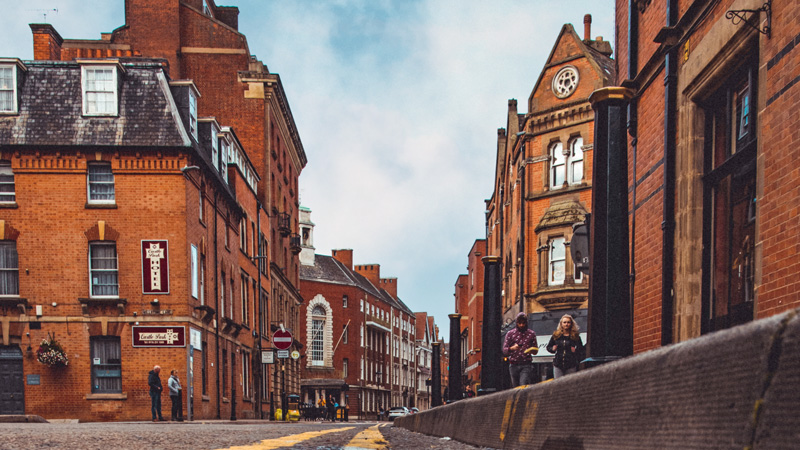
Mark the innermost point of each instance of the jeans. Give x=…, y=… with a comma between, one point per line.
x=521, y=374
x=155, y=405
x=558, y=373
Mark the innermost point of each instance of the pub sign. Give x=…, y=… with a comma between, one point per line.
x=163, y=336
x=155, y=267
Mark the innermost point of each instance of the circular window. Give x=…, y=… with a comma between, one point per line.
x=565, y=82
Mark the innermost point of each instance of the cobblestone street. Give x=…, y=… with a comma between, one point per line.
x=216, y=435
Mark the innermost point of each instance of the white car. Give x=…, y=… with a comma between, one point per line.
x=398, y=411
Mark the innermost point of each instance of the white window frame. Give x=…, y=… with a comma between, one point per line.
x=558, y=162
x=345, y=368
x=246, y=388
x=194, y=272
x=575, y=161
x=554, y=261
x=10, y=87
x=9, y=267
x=245, y=309
x=215, y=145
x=7, y=179
x=114, y=270
x=90, y=184
x=108, y=87
x=193, y=114
x=317, y=343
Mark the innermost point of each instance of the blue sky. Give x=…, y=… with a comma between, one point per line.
x=397, y=104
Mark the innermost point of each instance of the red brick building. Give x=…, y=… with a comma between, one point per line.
x=425, y=337
x=469, y=303
x=358, y=333
x=199, y=41
x=543, y=185
x=713, y=186
x=108, y=171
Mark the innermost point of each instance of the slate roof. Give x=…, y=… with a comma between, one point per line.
x=327, y=269
x=50, y=109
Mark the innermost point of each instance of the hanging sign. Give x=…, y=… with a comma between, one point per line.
x=155, y=267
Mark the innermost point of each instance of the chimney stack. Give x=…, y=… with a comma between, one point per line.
x=389, y=285
x=587, y=27
x=46, y=42
x=344, y=256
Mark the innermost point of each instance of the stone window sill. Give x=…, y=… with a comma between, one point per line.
x=122, y=396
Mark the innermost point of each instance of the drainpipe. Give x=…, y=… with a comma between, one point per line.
x=216, y=303
x=523, y=199
x=257, y=334
x=633, y=69
x=668, y=223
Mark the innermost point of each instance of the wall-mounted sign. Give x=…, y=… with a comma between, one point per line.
x=267, y=357
x=33, y=380
x=195, y=339
x=159, y=336
x=295, y=355
x=155, y=267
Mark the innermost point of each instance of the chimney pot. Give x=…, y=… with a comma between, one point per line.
x=587, y=27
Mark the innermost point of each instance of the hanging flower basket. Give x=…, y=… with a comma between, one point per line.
x=51, y=354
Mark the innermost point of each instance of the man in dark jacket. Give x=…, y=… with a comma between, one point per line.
x=518, y=346
x=155, y=393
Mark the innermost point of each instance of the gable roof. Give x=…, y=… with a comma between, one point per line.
x=602, y=64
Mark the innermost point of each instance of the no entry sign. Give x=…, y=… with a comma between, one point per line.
x=282, y=339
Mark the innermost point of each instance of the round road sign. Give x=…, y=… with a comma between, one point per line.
x=282, y=340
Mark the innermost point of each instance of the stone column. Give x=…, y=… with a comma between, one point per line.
x=610, y=335
x=454, y=358
x=491, y=362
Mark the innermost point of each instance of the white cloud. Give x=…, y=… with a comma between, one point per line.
x=397, y=104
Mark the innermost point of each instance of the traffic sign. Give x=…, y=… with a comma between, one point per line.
x=283, y=354
x=295, y=355
x=282, y=339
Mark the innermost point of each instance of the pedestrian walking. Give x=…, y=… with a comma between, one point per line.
x=154, y=381
x=518, y=345
x=331, y=409
x=566, y=346
x=174, y=384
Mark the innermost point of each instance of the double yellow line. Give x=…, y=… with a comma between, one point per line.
x=371, y=438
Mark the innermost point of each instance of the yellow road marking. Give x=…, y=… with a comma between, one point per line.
x=371, y=438
x=287, y=441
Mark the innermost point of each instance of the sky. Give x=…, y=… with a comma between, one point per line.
x=397, y=103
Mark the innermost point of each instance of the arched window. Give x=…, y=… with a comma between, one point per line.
x=318, y=336
x=576, y=161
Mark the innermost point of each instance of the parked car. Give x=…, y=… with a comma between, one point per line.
x=414, y=410
x=398, y=411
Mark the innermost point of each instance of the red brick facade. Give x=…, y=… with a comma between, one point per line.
x=741, y=181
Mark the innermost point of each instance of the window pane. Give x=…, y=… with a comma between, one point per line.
x=101, y=182
x=103, y=264
x=9, y=268
x=7, y=193
x=557, y=261
x=317, y=345
x=106, y=364
x=558, y=167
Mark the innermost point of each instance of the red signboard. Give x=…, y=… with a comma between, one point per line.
x=155, y=267
x=282, y=340
x=159, y=336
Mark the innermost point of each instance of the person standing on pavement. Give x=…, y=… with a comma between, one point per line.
x=331, y=409
x=567, y=347
x=517, y=341
x=155, y=393
x=174, y=384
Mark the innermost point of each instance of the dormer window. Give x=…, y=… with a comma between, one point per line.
x=215, y=146
x=8, y=89
x=193, y=114
x=99, y=90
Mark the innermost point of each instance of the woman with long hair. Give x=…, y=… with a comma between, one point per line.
x=567, y=347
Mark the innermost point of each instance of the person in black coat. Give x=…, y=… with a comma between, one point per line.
x=155, y=393
x=567, y=347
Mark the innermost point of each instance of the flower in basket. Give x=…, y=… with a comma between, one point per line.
x=50, y=353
